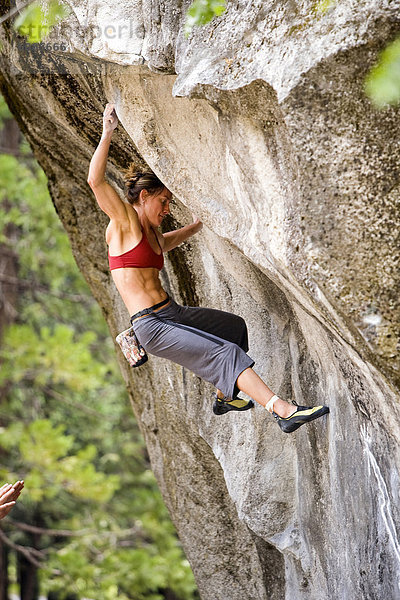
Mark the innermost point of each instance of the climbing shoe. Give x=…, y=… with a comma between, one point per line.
x=224, y=405
x=303, y=414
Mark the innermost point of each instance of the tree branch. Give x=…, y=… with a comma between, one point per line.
x=134, y=531
x=33, y=285
x=17, y=153
x=50, y=532
x=82, y=407
x=14, y=10
x=27, y=551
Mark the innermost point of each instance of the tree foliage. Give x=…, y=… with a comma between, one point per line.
x=66, y=426
x=38, y=18
x=202, y=12
x=383, y=82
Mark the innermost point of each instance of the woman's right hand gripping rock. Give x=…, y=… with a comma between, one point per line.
x=110, y=119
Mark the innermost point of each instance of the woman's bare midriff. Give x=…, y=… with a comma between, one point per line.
x=139, y=288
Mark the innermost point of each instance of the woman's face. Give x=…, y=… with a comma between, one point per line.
x=157, y=207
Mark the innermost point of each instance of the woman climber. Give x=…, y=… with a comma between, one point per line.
x=211, y=343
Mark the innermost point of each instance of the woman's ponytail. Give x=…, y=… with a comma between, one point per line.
x=137, y=179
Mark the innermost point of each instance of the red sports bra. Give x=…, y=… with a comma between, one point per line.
x=142, y=256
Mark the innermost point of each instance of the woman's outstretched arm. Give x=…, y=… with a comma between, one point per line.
x=98, y=164
x=172, y=239
x=107, y=198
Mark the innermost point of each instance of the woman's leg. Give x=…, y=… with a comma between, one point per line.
x=252, y=385
x=289, y=417
x=222, y=324
x=212, y=358
x=222, y=363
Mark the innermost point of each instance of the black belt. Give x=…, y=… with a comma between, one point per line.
x=148, y=311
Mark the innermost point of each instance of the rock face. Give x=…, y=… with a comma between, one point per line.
x=258, y=124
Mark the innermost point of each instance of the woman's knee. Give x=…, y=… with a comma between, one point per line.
x=244, y=342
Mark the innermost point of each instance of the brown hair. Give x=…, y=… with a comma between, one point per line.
x=137, y=179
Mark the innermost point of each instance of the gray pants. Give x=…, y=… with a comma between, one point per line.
x=211, y=343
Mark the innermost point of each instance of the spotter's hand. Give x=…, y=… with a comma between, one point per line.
x=8, y=496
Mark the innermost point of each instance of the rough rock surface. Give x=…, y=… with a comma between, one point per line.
x=258, y=123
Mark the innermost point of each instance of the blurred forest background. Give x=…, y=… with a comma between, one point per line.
x=90, y=522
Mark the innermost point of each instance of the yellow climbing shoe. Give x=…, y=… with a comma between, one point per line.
x=303, y=414
x=224, y=405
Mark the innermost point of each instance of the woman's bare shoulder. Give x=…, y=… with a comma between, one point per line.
x=130, y=221
x=132, y=215
x=129, y=226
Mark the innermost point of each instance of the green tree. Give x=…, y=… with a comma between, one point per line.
x=382, y=84
x=201, y=12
